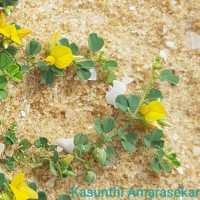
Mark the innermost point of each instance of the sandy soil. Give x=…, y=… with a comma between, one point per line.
x=135, y=32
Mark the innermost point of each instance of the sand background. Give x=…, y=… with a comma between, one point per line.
x=135, y=32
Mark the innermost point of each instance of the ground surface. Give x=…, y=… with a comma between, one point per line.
x=135, y=32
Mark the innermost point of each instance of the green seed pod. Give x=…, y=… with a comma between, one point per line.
x=99, y=155
x=89, y=177
x=164, y=123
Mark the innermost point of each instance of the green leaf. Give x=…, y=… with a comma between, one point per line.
x=52, y=168
x=24, y=144
x=55, y=156
x=64, y=42
x=56, y=70
x=11, y=50
x=34, y=165
x=128, y=146
x=9, y=2
x=42, y=195
x=41, y=142
x=160, y=153
x=95, y=42
x=5, y=61
x=47, y=77
x=3, y=82
x=132, y=137
x=167, y=75
x=155, y=165
x=83, y=74
x=121, y=134
x=110, y=77
x=17, y=77
x=10, y=137
x=13, y=69
x=3, y=94
x=33, y=186
x=64, y=197
x=108, y=124
x=33, y=48
x=110, y=152
x=87, y=64
x=176, y=163
x=154, y=139
x=42, y=65
x=25, y=68
x=98, y=126
x=74, y=48
x=10, y=163
x=80, y=138
x=121, y=102
x=165, y=166
x=154, y=94
x=133, y=102
x=109, y=65
x=2, y=180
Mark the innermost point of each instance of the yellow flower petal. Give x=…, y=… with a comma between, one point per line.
x=68, y=159
x=63, y=62
x=19, y=195
x=32, y=193
x=143, y=109
x=50, y=60
x=2, y=20
x=23, y=32
x=155, y=112
x=20, y=190
x=54, y=39
x=18, y=180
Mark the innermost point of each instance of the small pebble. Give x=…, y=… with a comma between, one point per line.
x=196, y=151
x=170, y=44
x=23, y=114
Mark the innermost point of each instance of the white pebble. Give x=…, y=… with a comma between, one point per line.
x=175, y=137
x=163, y=54
x=192, y=40
x=132, y=8
x=23, y=114
x=117, y=89
x=67, y=144
x=93, y=76
x=127, y=80
x=180, y=170
x=2, y=148
x=170, y=44
x=165, y=29
x=196, y=151
x=51, y=182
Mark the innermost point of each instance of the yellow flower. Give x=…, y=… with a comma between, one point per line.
x=153, y=111
x=60, y=56
x=21, y=190
x=11, y=32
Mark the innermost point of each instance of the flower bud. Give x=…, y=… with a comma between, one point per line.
x=89, y=177
x=99, y=155
x=6, y=43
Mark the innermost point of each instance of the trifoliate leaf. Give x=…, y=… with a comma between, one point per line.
x=167, y=75
x=33, y=48
x=95, y=42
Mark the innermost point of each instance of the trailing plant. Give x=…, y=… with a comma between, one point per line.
x=61, y=54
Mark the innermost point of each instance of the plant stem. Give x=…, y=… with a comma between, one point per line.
x=146, y=90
